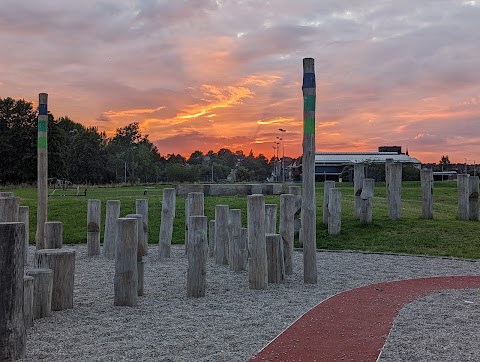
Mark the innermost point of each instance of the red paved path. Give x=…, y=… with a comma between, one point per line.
x=353, y=325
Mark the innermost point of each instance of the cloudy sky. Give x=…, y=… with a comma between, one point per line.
x=206, y=74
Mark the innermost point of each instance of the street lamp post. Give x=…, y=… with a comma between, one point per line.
x=283, y=152
x=278, y=165
x=274, y=163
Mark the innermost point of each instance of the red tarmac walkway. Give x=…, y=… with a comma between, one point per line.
x=353, y=325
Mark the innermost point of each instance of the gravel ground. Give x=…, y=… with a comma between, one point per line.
x=232, y=322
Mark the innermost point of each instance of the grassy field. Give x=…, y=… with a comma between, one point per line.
x=444, y=235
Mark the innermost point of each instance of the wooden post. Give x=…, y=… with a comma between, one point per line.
x=62, y=263
x=42, y=169
x=93, y=227
x=358, y=177
x=28, y=301
x=126, y=278
x=426, y=178
x=195, y=206
x=276, y=266
x=24, y=216
x=257, y=266
x=334, y=211
x=366, y=198
x=327, y=186
x=9, y=208
x=286, y=227
x=140, y=250
x=297, y=191
x=394, y=192
x=42, y=291
x=12, y=326
x=308, y=174
x=270, y=218
x=211, y=238
x=141, y=206
x=112, y=213
x=197, y=257
x=473, y=198
x=463, y=194
x=166, y=225
x=388, y=162
x=53, y=235
x=236, y=249
x=246, y=249
x=221, y=233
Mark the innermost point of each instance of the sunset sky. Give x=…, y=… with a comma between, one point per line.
x=201, y=74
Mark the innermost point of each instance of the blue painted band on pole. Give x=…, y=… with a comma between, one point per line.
x=42, y=109
x=308, y=80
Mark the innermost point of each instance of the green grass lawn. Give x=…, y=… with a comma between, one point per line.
x=444, y=235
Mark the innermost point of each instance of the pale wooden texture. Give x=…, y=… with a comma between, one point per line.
x=12, y=326
x=426, y=180
x=366, y=198
x=276, y=266
x=334, y=211
x=126, y=277
x=388, y=162
x=112, y=213
x=9, y=208
x=6, y=194
x=236, y=247
x=221, y=233
x=42, y=291
x=246, y=250
x=53, y=235
x=195, y=206
x=166, y=223
x=24, y=216
x=93, y=227
x=286, y=228
x=270, y=218
x=42, y=182
x=140, y=234
x=62, y=263
x=297, y=191
x=473, y=198
x=394, y=191
x=197, y=257
x=257, y=268
x=327, y=186
x=358, y=177
x=463, y=194
x=28, y=301
x=211, y=238
x=141, y=206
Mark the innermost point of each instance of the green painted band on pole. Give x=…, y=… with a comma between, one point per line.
x=42, y=142
x=309, y=125
x=309, y=103
x=42, y=125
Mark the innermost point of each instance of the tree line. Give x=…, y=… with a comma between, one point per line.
x=83, y=155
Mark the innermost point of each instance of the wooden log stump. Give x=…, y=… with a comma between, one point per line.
x=426, y=179
x=236, y=249
x=62, y=263
x=221, y=234
x=394, y=192
x=211, y=238
x=463, y=196
x=194, y=206
x=28, y=301
x=257, y=265
x=358, y=177
x=335, y=211
x=246, y=250
x=270, y=218
x=473, y=198
x=140, y=250
x=366, y=197
x=327, y=186
x=126, y=276
x=24, y=216
x=42, y=291
x=12, y=326
x=276, y=266
x=9, y=208
x=53, y=234
x=112, y=213
x=141, y=206
x=286, y=227
x=166, y=224
x=197, y=257
x=297, y=191
x=141, y=277
x=93, y=227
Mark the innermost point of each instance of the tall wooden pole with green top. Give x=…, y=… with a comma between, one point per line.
x=308, y=174
x=42, y=170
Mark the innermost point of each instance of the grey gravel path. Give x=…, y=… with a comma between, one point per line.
x=233, y=322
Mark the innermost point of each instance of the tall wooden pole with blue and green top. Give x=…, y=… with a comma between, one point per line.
x=308, y=174
x=42, y=170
